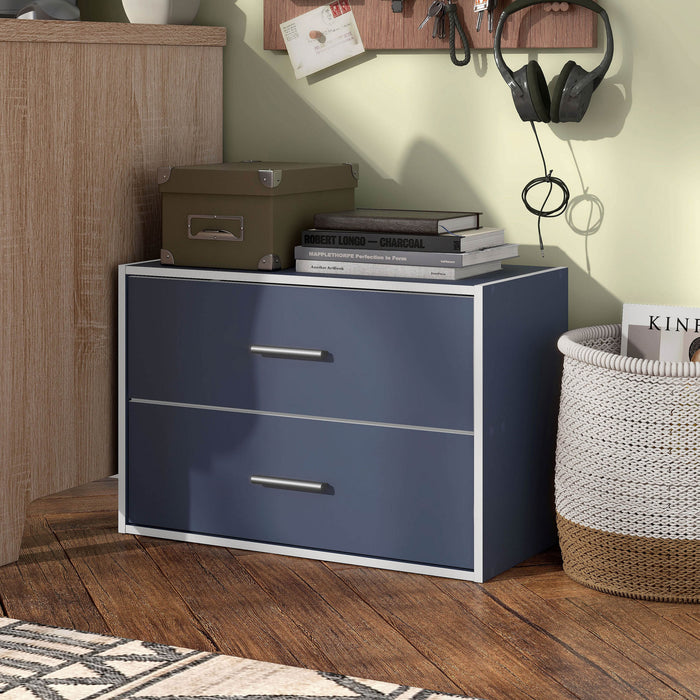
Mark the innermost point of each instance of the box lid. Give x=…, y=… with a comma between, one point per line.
x=257, y=178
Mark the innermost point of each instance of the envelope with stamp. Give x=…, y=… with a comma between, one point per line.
x=321, y=38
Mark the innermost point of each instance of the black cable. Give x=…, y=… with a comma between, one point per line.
x=546, y=178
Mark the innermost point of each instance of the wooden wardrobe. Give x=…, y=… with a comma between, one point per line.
x=88, y=112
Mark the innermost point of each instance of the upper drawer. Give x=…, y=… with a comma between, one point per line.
x=388, y=357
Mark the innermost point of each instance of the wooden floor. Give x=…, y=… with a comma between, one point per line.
x=530, y=633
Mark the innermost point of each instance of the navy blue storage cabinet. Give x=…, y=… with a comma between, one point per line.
x=403, y=424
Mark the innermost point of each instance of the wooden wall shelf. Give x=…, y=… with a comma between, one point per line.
x=540, y=27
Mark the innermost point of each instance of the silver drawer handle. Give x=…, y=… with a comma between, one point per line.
x=299, y=353
x=292, y=484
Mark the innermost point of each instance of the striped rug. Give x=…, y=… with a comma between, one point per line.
x=51, y=663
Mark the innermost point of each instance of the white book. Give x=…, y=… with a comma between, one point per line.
x=666, y=333
x=385, y=270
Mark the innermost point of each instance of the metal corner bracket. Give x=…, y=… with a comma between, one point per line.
x=270, y=178
x=270, y=262
x=163, y=174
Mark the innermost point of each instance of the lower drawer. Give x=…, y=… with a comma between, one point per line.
x=390, y=493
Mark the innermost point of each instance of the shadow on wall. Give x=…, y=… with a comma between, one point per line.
x=102, y=11
x=605, y=118
x=295, y=131
x=426, y=169
x=612, y=100
x=600, y=305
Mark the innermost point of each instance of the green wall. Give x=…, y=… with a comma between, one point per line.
x=430, y=135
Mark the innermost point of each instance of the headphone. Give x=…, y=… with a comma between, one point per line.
x=574, y=87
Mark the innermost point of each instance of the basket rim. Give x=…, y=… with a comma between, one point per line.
x=569, y=345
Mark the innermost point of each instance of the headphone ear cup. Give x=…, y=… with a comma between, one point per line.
x=566, y=106
x=530, y=94
x=537, y=89
x=558, y=90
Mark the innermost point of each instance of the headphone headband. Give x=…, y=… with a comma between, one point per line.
x=595, y=76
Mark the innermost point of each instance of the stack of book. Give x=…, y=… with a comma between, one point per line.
x=402, y=243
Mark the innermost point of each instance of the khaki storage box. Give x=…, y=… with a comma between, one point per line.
x=247, y=216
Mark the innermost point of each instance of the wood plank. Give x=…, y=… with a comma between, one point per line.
x=18, y=30
x=354, y=637
x=478, y=660
x=71, y=522
x=225, y=599
x=545, y=563
x=683, y=615
x=655, y=644
x=95, y=496
x=552, y=585
x=559, y=646
x=43, y=586
x=129, y=590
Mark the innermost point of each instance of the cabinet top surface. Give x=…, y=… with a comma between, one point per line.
x=56, y=31
x=465, y=287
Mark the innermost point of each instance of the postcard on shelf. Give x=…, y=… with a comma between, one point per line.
x=321, y=38
x=666, y=333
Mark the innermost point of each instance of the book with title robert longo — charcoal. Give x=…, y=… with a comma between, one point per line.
x=462, y=242
x=666, y=333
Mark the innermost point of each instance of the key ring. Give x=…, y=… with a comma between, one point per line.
x=456, y=25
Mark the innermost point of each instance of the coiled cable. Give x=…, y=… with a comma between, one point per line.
x=552, y=181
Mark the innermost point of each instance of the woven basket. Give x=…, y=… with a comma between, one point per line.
x=627, y=480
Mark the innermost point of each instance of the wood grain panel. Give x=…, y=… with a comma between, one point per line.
x=83, y=130
x=120, y=576
x=556, y=644
x=448, y=633
x=110, y=33
x=645, y=638
x=215, y=574
x=44, y=587
x=380, y=28
x=348, y=630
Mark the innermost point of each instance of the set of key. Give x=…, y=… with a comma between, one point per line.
x=481, y=6
x=436, y=12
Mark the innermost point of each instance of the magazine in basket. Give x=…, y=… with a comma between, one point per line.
x=666, y=333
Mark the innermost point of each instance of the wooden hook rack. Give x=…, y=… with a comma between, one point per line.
x=555, y=25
